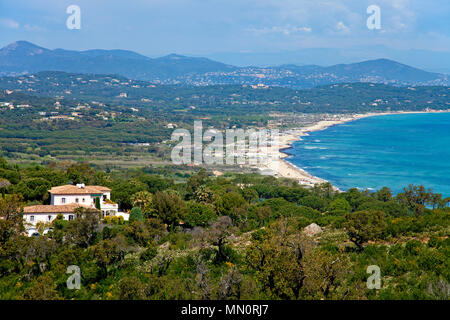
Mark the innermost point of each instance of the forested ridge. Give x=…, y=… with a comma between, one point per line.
x=229, y=99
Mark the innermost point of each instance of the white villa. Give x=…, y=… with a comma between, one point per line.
x=65, y=199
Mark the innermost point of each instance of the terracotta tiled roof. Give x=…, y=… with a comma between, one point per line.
x=71, y=189
x=66, y=208
x=101, y=188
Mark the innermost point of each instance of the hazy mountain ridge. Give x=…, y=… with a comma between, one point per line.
x=23, y=57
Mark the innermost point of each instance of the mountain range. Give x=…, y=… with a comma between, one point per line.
x=23, y=57
x=429, y=60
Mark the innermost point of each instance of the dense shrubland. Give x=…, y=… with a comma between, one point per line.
x=229, y=237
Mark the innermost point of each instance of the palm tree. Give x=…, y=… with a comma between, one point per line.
x=4, y=185
x=143, y=200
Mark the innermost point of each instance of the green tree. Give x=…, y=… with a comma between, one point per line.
x=32, y=188
x=355, y=198
x=198, y=214
x=340, y=206
x=109, y=251
x=11, y=218
x=155, y=183
x=81, y=173
x=250, y=195
x=325, y=190
x=136, y=215
x=229, y=202
x=435, y=200
x=314, y=202
x=263, y=214
x=384, y=194
x=325, y=274
x=83, y=230
x=203, y=195
x=4, y=185
x=277, y=261
x=415, y=197
x=365, y=225
x=138, y=232
x=143, y=200
x=168, y=207
x=195, y=181
x=123, y=190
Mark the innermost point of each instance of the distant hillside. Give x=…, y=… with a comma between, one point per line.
x=375, y=71
x=23, y=57
x=227, y=99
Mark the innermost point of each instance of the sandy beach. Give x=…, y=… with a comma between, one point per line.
x=283, y=168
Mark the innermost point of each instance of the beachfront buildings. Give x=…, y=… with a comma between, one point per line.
x=65, y=199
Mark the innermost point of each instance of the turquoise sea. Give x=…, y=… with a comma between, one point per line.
x=392, y=150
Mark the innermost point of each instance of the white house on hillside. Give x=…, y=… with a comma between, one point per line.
x=65, y=199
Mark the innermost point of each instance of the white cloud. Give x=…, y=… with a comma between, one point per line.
x=9, y=23
x=30, y=27
x=341, y=27
x=277, y=29
x=304, y=29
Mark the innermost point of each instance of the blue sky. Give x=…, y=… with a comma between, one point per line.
x=205, y=27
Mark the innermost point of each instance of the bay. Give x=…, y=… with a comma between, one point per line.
x=369, y=153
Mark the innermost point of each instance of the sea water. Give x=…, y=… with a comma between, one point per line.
x=369, y=153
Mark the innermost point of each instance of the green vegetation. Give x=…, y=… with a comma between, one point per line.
x=136, y=215
x=230, y=237
x=108, y=120
x=191, y=235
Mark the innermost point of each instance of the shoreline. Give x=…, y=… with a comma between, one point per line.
x=285, y=169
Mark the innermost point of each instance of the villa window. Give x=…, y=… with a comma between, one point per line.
x=63, y=200
x=82, y=200
x=70, y=217
x=31, y=218
x=76, y=200
x=49, y=218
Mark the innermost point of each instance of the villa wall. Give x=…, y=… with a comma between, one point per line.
x=44, y=217
x=57, y=199
x=70, y=198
